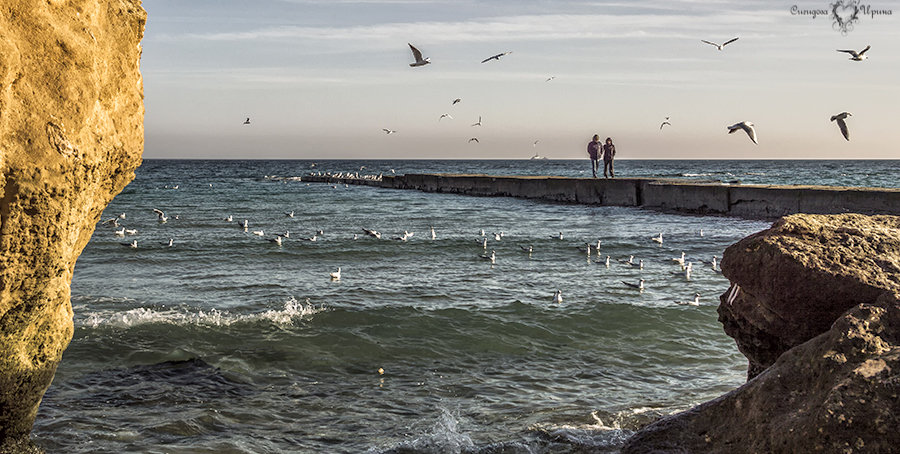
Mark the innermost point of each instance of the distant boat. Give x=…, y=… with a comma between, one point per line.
x=537, y=156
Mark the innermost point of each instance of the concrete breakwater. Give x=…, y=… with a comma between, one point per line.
x=704, y=197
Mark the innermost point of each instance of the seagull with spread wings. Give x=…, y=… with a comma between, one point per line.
x=418, y=56
x=839, y=118
x=719, y=46
x=496, y=57
x=747, y=127
x=664, y=123
x=857, y=56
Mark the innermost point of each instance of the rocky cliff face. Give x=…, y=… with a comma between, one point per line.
x=814, y=306
x=71, y=135
x=839, y=392
x=792, y=281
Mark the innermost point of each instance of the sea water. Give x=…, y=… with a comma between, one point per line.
x=227, y=342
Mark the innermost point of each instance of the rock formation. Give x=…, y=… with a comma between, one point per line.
x=792, y=281
x=71, y=135
x=839, y=392
x=814, y=306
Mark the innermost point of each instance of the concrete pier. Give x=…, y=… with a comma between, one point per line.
x=747, y=201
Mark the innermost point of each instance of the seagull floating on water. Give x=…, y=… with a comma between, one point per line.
x=132, y=244
x=277, y=240
x=857, y=56
x=114, y=222
x=290, y=215
x=492, y=257
x=496, y=57
x=839, y=118
x=630, y=260
x=719, y=46
x=695, y=302
x=433, y=235
x=336, y=276
x=747, y=127
x=131, y=231
x=418, y=56
x=259, y=233
x=528, y=249
x=658, y=238
x=680, y=260
x=171, y=243
x=639, y=264
x=121, y=232
x=639, y=285
x=557, y=298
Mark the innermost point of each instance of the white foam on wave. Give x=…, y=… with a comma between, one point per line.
x=290, y=312
x=444, y=437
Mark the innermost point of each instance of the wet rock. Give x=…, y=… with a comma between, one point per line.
x=71, y=135
x=790, y=282
x=839, y=392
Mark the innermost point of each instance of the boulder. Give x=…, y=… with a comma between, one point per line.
x=839, y=392
x=71, y=136
x=792, y=281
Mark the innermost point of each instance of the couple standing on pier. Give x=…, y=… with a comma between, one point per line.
x=608, y=150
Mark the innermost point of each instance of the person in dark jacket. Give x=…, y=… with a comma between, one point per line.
x=609, y=152
x=593, y=150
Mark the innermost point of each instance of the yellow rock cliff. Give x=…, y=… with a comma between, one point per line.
x=71, y=136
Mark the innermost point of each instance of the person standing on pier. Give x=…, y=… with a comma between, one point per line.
x=609, y=152
x=593, y=150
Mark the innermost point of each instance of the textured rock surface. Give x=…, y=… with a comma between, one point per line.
x=839, y=392
x=797, y=277
x=71, y=135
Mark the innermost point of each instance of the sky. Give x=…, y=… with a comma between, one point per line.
x=319, y=79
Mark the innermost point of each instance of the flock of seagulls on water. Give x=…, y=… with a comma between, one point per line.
x=590, y=249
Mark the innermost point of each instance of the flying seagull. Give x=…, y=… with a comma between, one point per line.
x=247, y=121
x=388, y=131
x=747, y=127
x=418, y=56
x=719, y=46
x=857, y=56
x=455, y=101
x=161, y=216
x=474, y=139
x=664, y=123
x=535, y=143
x=550, y=78
x=445, y=115
x=839, y=118
x=496, y=57
x=478, y=123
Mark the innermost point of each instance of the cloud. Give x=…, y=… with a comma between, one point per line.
x=546, y=27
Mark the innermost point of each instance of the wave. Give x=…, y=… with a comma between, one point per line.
x=291, y=311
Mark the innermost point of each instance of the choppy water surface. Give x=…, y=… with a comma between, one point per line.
x=229, y=343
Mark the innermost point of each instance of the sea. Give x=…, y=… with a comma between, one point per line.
x=227, y=342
